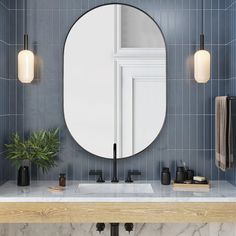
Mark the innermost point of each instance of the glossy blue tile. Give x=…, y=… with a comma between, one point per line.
x=193, y=97
x=193, y=132
x=35, y=4
x=186, y=96
x=208, y=98
x=4, y=29
x=12, y=3
x=13, y=55
x=12, y=124
x=85, y=4
x=179, y=97
x=215, y=61
x=4, y=96
x=5, y=3
x=208, y=134
x=4, y=58
x=49, y=59
x=19, y=97
x=186, y=131
x=171, y=61
x=12, y=28
x=6, y=120
x=200, y=99
x=171, y=94
x=228, y=3
x=70, y=4
x=4, y=134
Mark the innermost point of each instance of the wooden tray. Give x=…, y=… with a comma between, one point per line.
x=56, y=189
x=191, y=187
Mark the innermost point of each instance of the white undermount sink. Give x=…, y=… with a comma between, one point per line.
x=117, y=188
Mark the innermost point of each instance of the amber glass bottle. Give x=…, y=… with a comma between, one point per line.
x=62, y=180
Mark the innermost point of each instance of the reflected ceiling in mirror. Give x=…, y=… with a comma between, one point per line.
x=115, y=80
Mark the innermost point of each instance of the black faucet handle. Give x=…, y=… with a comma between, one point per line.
x=97, y=173
x=134, y=172
x=130, y=173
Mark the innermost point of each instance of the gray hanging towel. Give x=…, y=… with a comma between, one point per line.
x=223, y=133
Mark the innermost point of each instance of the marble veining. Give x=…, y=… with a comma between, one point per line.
x=204, y=229
x=221, y=191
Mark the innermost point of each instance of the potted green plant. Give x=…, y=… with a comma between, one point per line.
x=40, y=148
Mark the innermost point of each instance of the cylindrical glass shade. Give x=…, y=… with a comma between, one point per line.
x=202, y=66
x=26, y=66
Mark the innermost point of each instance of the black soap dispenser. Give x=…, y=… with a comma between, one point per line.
x=165, y=176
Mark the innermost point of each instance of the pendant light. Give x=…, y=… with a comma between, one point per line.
x=202, y=60
x=25, y=58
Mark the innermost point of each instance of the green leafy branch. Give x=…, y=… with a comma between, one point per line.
x=40, y=148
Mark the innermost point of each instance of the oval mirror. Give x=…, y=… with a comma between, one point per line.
x=114, y=80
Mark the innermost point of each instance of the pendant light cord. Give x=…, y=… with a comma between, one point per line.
x=202, y=25
x=25, y=25
x=25, y=17
x=202, y=16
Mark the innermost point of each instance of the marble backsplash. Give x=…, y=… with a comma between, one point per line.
x=211, y=229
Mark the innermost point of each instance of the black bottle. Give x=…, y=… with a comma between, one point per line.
x=190, y=174
x=165, y=176
x=180, y=174
x=23, y=178
x=62, y=180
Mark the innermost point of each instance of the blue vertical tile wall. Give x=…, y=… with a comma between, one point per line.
x=7, y=89
x=188, y=132
x=230, y=32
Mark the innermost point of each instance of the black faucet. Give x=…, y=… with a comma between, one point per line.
x=114, y=178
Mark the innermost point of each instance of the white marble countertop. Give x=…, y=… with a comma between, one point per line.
x=220, y=191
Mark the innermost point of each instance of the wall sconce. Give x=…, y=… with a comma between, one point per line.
x=202, y=61
x=25, y=58
x=26, y=63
